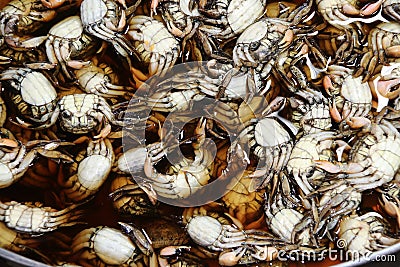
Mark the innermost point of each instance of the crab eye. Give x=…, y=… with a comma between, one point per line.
x=254, y=45
x=66, y=114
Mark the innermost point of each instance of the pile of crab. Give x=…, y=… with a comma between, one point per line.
x=191, y=133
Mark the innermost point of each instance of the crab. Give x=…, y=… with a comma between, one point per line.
x=284, y=217
x=227, y=19
x=21, y=56
x=342, y=45
x=261, y=43
x=383, y=48
x=87, y=177
x=130, y=198
x=36, y=219
x=208, y=232
x=100, y=79
x=333, y=205
x=157, y=48
x=106, y=20
x=350, y=96
x=373, y=159
x=310, y=111
x=270, y=138
x=243, y=202
x=214, y=80
x=15, y=157
x=83, y=113
x=104, y=245
x=22, y=17
x=389, y=199
x=340, y=13
x=385, y=86
x=187, y=177
x=68, y=45
x=178, y=16
x=32, y=94
x=365, y=234
x=301, y=166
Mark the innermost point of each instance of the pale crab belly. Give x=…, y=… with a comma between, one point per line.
x=254, y=33
x=91, y=78
x=385, y=156
x=69, y=28
x=79, y=104
x=93, y=11
x=21, y=216
x=355, y=91
x=269, y=132
x=290, y=217
x=157, y=39
x=237, y=87
x=302, y=158
x=37, y=90
x=243, y=13
x=317, y=119
x=93, y=171
x=114, y=255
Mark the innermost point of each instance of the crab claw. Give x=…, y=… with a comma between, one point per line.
x=171, y=251
x=371, y=8
x=55, y=155
x=25, y=42
x=339, y=167
x=231, y=258
x=40, y=65
x=328, y=166
x=335, y=114
x=52, y=3
x=385, y=86
x=349, y=9
x=327, y=84
x=287, y=38
x=77, y=64
x=276, y=105
x=139, y=237
x=104, y=132
x=357, y=122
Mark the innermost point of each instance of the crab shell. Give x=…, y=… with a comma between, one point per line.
x=30, y=89
x=260, y=42
x=79, y=113
x=107, y=244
